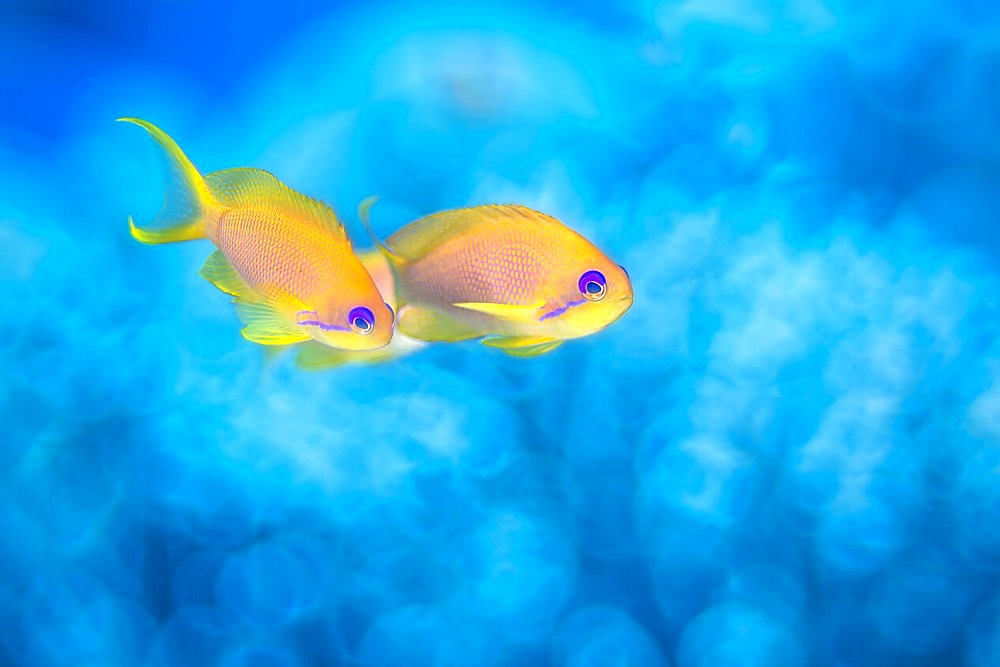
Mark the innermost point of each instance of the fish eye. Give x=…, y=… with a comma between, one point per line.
x=361, y=320
x=392, y=313
x=625, y=271
x=593, y=286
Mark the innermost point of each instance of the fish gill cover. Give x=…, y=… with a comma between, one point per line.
x=787, y=453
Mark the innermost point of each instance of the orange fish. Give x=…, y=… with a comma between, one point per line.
x=284, y=257
x=518, y=278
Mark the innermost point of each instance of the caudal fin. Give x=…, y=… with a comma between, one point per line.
x=182, y=217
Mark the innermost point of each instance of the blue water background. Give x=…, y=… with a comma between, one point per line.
x=786, y=454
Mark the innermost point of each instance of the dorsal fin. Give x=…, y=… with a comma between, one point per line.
x=418, y=238
x=394, y=259
x=256, y=188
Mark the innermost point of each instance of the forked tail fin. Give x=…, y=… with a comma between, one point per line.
x=182, y=217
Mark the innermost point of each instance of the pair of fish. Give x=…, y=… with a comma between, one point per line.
x=517, y=279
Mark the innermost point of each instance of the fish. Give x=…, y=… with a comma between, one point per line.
x=284, y=257
x=518, y=279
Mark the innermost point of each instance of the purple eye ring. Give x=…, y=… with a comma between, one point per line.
x=593, y=285
x=362, y=320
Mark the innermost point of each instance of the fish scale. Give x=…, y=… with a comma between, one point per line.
x=508, y=274
x=269, y=251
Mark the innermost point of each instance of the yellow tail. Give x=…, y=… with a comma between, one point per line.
x=182, y=217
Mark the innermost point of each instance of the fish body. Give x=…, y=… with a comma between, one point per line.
x=516, y=277
x=285, y=258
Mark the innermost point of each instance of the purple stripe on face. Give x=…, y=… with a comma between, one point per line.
x=324, y=327
x=317, y=323
x=559, y=311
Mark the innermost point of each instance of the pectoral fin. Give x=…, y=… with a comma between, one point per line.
x=429, y=325
x=218, y=271
x=523, y=346
x=267, y=322
x=513, y=313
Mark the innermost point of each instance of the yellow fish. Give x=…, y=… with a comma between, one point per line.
x=519, y=278
x=284, y=257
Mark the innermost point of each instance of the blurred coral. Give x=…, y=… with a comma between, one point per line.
x=787, y=452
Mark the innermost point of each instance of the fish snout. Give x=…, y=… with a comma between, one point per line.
x=382, y=337
x=620, y=306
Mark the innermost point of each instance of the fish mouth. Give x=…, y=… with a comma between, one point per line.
x=620, y=306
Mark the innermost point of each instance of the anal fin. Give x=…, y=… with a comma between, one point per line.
x=429, y=325
x=523, y=346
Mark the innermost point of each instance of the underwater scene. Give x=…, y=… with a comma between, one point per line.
x=647, y=333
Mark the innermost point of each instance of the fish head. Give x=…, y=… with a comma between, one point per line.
x=359, y=320
x=591, y=292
